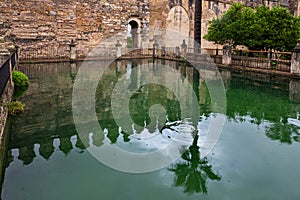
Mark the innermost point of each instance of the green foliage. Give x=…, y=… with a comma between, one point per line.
x=283, y=132
x=20, y=79
x=181, y=59
x=19, y=92
x=129, y=42
x=15, y=107
x=21, y=83
x=261, y=28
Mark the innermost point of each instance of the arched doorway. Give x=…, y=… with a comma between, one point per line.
x=178, y=26
x=207, y=15
x=133, y=34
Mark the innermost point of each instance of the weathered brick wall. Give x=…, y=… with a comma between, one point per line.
x=47, y=27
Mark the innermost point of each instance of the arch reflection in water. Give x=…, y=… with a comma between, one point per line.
x=28, y=154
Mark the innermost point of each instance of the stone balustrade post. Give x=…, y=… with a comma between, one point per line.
x=227, y=53
x=72, y=50
x=177, y=51
x=119, y=49
x=17, y=52
x=163, y=51
x=295, y=62
x=155, y=49
x=294, y=88
x=183, y=48
x=4, y=53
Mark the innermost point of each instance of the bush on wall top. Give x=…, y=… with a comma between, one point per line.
x=20, y=79
x=21, y=83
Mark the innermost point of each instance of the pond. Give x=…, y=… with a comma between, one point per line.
x=256, y=155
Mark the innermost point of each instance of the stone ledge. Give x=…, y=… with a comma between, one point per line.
x=5, y=98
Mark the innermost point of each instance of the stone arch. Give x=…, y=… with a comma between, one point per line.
x=207, y=15
x=133, y=32
x=177, y=21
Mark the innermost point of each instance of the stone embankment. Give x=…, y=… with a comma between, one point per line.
x=5, y=98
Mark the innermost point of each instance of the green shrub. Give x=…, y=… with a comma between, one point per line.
x=21, y=83
x=15, y=107
x=19, y=92
x=20, y=79
x=129, y=42
x=181, y=59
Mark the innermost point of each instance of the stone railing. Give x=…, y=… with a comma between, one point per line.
x=260, y=60
x=263, y=60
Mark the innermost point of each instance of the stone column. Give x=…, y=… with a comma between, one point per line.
x=135, y=38
x=295, y=62
x=183, y=48
x=294, y=88
x=155, y=49
x=227, y=53
x=119, y=49
x=163, y=51
x=72, y=50
x=177, y=51
x=4, y=53
x=144, y=38
x=17, y=53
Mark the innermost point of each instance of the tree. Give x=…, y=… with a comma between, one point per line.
x=261, y=28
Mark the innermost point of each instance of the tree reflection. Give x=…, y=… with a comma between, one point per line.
x=262, y=103
x=193, y=173
x=283, y=132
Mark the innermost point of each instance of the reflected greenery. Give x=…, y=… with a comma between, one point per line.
x=284, y=132
x=193, y=172
x=147, y=96
x=263, y=104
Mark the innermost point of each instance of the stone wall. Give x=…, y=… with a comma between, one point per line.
x=47, y=27
x=4, y=99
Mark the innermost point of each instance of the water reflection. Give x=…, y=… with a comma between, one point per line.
x=284, y=132
x=26, y=155
x=269, y=106
x=193, y=172
x=46, y=129
x=49, y=113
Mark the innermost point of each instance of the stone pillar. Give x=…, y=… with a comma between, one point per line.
x=177, y=51
x=17, y=53
x=4, y=53
x=155, y=49
x=183, y=48
x=163, y=51
x=119, y=49
x=135, y=38
x=294, y=88
x=72, y=50
x=295, y=62
x=144, y=38
x=227, y=53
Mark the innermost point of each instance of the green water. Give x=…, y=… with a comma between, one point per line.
x=256, y=156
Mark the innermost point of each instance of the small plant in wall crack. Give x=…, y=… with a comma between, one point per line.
x=21, y=84
x=15, y=107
